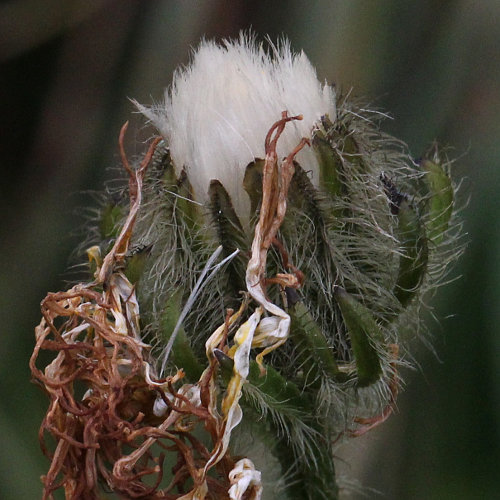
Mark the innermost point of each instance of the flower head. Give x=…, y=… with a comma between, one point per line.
x=218, y=110
x=300, y=202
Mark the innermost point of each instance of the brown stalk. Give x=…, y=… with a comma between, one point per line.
x=95, y=431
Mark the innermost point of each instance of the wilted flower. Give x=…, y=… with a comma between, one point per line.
x=280, y=247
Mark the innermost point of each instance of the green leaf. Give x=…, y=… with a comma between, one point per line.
x=440, y=202
x=230, y=235
x=308, y=337
x=185, y=205
x=305, y=200
x=365, y=335
x=414, y=253
x=330, y=165
x=252, y=183
x=272, y=383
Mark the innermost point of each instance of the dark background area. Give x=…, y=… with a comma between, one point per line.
x=67, y=69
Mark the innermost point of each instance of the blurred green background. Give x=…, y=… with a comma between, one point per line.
x=66, y=71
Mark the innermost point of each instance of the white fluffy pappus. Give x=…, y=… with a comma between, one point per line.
x=217, y=113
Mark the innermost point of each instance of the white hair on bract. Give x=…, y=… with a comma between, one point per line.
x=217, y=112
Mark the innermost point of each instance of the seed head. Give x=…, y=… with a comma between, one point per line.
x=217, y=112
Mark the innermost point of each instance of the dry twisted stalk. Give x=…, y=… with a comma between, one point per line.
x=102, y=388
x=94, y=330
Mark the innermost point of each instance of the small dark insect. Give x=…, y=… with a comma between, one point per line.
x=395, y=196
x=139, y=249
x=292, y=296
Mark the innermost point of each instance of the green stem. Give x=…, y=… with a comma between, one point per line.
x=311, y=480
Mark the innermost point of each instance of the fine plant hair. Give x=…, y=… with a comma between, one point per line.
x=352, y=237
